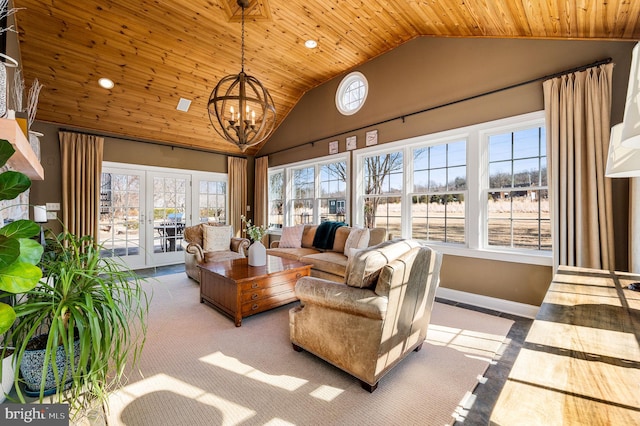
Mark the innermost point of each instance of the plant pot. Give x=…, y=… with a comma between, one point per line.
x=33, y=363
x=8, y=375
x=257, y=254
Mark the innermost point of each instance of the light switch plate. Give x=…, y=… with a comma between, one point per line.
x=51, y=215
x=53, y=207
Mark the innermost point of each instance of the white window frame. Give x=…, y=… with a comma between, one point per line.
x=316, y=163
x=477, y=173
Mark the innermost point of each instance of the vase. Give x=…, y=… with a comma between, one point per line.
x=257, y=254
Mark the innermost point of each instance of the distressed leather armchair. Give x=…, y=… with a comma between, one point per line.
x=380, y=315
x=195, y=254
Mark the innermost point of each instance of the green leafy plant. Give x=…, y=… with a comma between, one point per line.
x=255, y=233
x=19, y=254
x=93, y=308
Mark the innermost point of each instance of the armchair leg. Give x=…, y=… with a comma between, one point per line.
x=369, y=388
x=417, y=349
x=296, y=347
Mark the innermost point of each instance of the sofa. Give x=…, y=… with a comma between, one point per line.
x=379, y=315
x=328, y=263
x=209, y=243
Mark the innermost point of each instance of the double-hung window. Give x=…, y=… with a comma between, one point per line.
x=439, y=191
x=517, y=193
x=276, y=199
x=382, y=191
x=309, y=192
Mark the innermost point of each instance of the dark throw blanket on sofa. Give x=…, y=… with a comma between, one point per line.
x=325, y=234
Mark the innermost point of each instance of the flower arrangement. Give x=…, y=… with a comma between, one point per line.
x=255, y=233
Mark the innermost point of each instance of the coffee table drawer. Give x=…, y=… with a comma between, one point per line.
x=256, y=284
x=262, y=293
x=267, y=303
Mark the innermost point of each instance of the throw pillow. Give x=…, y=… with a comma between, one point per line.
x=216, y=238
x=291, y=237
x=358, y=239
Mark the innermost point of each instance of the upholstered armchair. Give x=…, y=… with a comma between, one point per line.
x=380, y=315
x=207, y=243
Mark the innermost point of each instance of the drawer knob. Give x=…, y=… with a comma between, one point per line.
x=254, y=296
x=254, y=285
x=254, y=307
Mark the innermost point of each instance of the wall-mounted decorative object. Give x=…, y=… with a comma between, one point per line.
x=372, y=138
x=333, y=147
x=351, y=143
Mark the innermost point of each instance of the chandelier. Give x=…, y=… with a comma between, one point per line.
x=240, y=107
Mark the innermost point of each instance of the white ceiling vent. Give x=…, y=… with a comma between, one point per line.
x=183, y=105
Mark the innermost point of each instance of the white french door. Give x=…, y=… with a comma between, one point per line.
x=145, y=209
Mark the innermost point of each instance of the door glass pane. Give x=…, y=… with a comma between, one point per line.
x=119, y=222
x=169, y=195
x=212, y=202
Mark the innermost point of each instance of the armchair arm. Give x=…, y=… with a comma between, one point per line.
x=240, y=245
x=197, y=251
x=357, y=301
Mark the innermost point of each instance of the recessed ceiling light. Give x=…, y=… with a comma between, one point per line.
x=311, y=44
x=106, y=83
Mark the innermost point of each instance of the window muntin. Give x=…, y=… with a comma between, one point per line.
x=518, y=214
x=438, y=207
x=351, y=93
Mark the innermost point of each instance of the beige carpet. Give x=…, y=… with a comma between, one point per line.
x=197, y=368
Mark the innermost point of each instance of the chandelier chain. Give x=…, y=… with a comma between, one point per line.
x=242, y=48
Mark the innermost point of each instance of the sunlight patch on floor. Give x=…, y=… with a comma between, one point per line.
x=232, y=413
x=228, y=363
x=326, y=393
x=479, y=345
x=462, y=410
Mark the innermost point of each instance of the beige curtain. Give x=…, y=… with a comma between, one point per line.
x=237, y=173
x=81, y=161
x=260, y=202
x=577, y=112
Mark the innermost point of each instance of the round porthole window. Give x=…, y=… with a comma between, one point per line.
x=351, y=93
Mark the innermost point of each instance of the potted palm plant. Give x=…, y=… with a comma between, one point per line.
x=19, y=255
x=87, y=319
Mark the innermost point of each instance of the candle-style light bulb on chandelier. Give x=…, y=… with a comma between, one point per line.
x=240, y=107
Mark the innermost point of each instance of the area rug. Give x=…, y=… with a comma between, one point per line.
x=197, y=368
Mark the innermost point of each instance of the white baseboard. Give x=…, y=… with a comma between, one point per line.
x=501, y=305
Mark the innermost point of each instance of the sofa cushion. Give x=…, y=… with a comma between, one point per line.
x=216, y=238
x=329, y=262
x=291, y=253
x=358, y=239
x=291, y=237
x=364, y=266
x=340, y=239
x=308, y=235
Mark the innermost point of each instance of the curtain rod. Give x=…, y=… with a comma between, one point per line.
x=126, y=138
x=469, y=98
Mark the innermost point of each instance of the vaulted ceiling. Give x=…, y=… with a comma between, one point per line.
x=159, y=51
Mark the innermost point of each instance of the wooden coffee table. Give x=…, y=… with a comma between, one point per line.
x=239, y=290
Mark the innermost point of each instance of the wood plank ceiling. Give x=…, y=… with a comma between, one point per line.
x=159, y=51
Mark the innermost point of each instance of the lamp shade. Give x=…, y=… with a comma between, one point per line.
x=631, y=128
x=622, y=161
x=40, y=214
